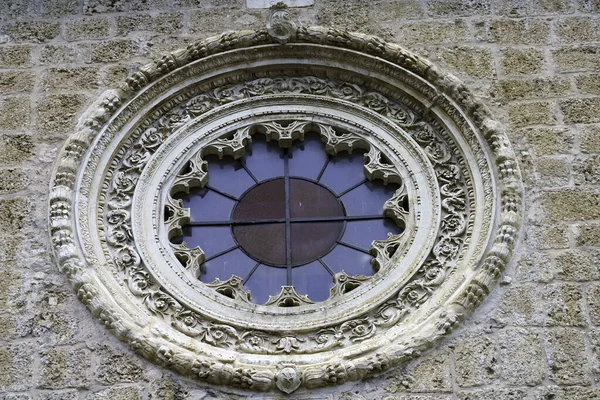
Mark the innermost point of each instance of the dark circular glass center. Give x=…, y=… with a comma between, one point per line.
x=288, y=221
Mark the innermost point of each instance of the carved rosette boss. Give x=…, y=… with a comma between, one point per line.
x=114, y=209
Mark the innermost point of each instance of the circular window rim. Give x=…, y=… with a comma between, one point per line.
x=181, y=148
x=286, y=377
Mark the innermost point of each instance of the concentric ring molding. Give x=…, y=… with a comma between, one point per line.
x=389, y=331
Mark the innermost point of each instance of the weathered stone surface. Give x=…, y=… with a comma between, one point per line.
x=15, y=113
x=581, y=110
x=87, y=28
x=554, y=172
x=588, y=84
x=13, y=180
x=16, y=367
x=210, y=22
x=431, y=373
x=170, y=23
x=168, y=387
x=114, y=50
x=391, y=12
x=118, y=393
x=53, y=54
x=533, y=88
x=453, y=8
x=494, y=394
x=59, y=395
x=16, y=81
x=476, y=356
x=471, y=61
x=565, y=350
x=577, y=58
x=589, y=6
x=520, y=305
x=534, y=266
x=64, y=368
x=524, y=31
x=578, y=30
x=521, y=356
x=590, y=138
x=523, y=114
x=16, y=148
x=571, y=204
x=587, y=170
x=555, y=285
x=34, y=32
x=13, y=214
x=58, y=8
x=103, y=6
x=548, y=237
x=70, y=78
x=522, y=61
x=566, y=393
x=593, y=298
x=57, y=112
x=118, y=367
x=564, y=305
x=588, y=235
x=430, y=32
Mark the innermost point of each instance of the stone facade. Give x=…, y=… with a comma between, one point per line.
x=536, y=64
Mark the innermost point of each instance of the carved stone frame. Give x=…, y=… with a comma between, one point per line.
x=112, y=181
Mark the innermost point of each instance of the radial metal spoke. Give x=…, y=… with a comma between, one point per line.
x=323, y=169
x=243, y=164
x=350, y=246
x=291, y=220
x=288, y=225
x=222, y=193
x=352, y=187
x=251, y=272
x=325, y=266
x=219, y=254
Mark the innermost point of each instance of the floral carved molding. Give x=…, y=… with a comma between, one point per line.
x=113, y=209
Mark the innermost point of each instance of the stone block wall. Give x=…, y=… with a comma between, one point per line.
x=536, y=63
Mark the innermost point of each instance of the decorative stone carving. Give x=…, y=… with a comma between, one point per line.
x=113, y=210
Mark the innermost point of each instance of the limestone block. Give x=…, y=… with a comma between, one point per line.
x=87, y=28
x=576, y=58
x=65, y=368
x=567, y=361
x=523, y=114
x=571, y=204
x=584, y=111
x=522, y=61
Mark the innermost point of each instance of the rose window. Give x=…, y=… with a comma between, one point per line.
x=288, y=217
x=285, y=209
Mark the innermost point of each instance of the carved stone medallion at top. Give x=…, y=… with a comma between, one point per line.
x=419, y=127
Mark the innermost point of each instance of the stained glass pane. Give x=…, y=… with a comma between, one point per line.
x=264, y=160
x=266, y=281
x=353, y=262
x=343, y=171
x=313, y=280
x=222, y=267
x=307, y=158
x=228, y=176
x=368, y=199
x=207, y=205
x=362, y=233
x=211, y=239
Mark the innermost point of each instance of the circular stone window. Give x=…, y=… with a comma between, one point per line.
x=286, y=208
